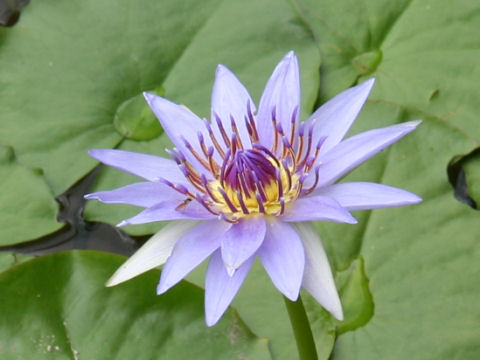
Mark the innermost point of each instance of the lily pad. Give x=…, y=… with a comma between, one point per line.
x=28, y=208
x=421, y=261
x=62, y=84
x=7, y=260
x=56, y=307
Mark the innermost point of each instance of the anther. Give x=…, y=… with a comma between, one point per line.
x=268, y=152
x=275, y=132
x=309, y=190
x=242, y=203
x=223, y=217
x=207, y=188
x=214, y=139
x=233, y=144
x=227, y=200
x=279, y=182
x=195, y=154
x=287, y=171
x=282, y=205
x=226, y=140
x=173, y=156
x=252, y=122
x=261, y=208
x=224, y=166
x=180, y=188
x=180, y=155
x=259, y=186
x=293, y=120
x=205, y=205
x=235, y=130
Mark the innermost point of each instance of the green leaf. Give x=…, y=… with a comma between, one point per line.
x=421, y=261
x=62, y=85
x=472, y=174
x=28, y=208
x=8, y=259
x=57, y=307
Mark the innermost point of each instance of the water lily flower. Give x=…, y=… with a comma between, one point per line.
x=247, y=184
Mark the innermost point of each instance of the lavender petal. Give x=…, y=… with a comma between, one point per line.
x=318, y=277
x=355, y=150
x=283, y=257
x=281, y=93
x=153, y=253
x=144, y=194
x=230, y=98
x=334, y=118
x=242, y=241
x=317, y=208
x=190, y=250
x=149, y=167
x=365, y=195
x=170, y=210
x=220, y=287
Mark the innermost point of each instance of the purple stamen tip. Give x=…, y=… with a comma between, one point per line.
x=217, y=119
x=165, y=181
x=187, y=144
x=182, y=157
x=274, y=113
x=286, y=143
x=249, y=107
x=200, y=137
x=210, y=151
x=294, y=114
x=232, y=120
x=301, y=129
x=173, y=156
x=181, y=188
x=310, y=129
x=321, y=141
x=184, y=170
x=309, y=160
x=302, y=178
x=279, y=128
x=207, y=125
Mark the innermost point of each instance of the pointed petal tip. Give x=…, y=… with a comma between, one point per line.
x=413, y=123
x=122, y=223
x=211, y=319
x=351, y=220
x=112, y=282
x=230, y=270
x=90, y=196
x=95, y=153
x=290, y=55
x=417, y=199
x=337, y=313
x=222, y=69
x=149, y=97
x=292, y=296
x=368, y=85
x=162, y=287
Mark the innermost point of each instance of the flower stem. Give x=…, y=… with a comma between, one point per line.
x=301, y=328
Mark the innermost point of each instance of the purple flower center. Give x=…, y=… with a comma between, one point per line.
x=247, y=170
x=250, y=178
